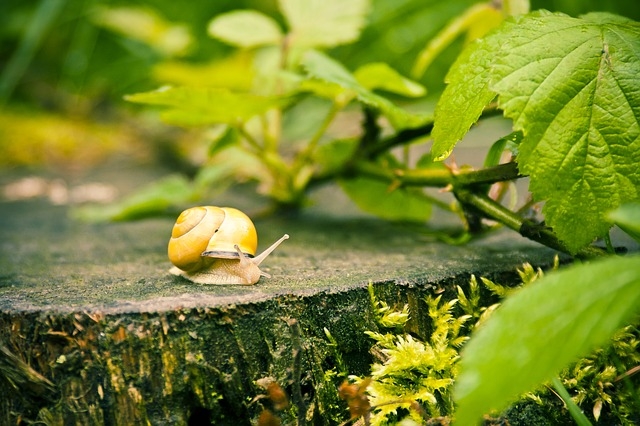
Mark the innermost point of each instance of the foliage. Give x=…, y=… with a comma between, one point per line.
x=595, y=380
x=580, y=141
x=542, y=328
x=411, y=371
x=273, y=103
x=412, y=374
x=30, y=139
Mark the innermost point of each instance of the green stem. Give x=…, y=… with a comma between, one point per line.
x=427, y=177
x=439, y=177
x=574, y=410
x=250, y=139
x=304, y=156
x=500, y=173
x=489, y=208
x=400, y=138
x=609, y=244
x=271, y=126
x=493, y=210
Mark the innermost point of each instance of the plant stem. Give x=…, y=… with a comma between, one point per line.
x=493, y=210
x=489, y=208
x=574, y=410
x=250, y=139
x=439, y=177
x=302, y=158
x=400, y=138
x=500, y=173
x=271, y=127
x=427, y=177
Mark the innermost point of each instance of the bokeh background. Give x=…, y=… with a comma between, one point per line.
x=65, y=66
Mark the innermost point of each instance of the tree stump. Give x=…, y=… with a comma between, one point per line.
x=94, y=330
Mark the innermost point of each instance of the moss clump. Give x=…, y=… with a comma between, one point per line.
x=412, y=378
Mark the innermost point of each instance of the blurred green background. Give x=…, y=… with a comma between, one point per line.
x=65, y=65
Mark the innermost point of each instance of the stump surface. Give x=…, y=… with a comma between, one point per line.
x=94, y=330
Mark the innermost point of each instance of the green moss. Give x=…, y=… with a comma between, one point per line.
x=412, y=378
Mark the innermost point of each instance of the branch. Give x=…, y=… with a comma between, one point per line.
x=400, y=138
x=439, y=177
x=537, y=232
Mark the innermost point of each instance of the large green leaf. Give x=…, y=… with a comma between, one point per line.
x=245, y=28
x=570, y=85
x=323, y=68
x=196, y=106
x=541, y=328
x=324, y=23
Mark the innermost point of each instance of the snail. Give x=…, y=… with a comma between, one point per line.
x=216, y=245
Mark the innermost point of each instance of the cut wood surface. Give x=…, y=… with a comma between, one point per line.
x=94, y=330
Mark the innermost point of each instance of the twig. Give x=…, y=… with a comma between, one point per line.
x=400, y=138
x=627, y=373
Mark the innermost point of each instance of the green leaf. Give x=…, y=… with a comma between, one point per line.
x=375, y=197
x=225, y=138
x=333, y=155
x=245, y=28
x=476, y=21
x=509, y=142
x=379, y=75
x=627, y=217
x=571, y=87
x=197, y=106
x=324, y=23
x=146, y=25
x=324, y=68
x=543, y=327
x=235, y=72
x=160, y=197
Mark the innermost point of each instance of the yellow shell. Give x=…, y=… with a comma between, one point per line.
x=211, y=230
x=215, y=245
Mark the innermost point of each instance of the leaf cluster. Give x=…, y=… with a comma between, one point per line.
x=568, y=91
x=566, y=83
x=251, y=95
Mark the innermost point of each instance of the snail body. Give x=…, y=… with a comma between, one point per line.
x=217, y=245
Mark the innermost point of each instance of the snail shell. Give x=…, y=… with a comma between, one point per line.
x=216, y=245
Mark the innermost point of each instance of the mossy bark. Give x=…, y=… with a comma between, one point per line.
x=182, y=366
